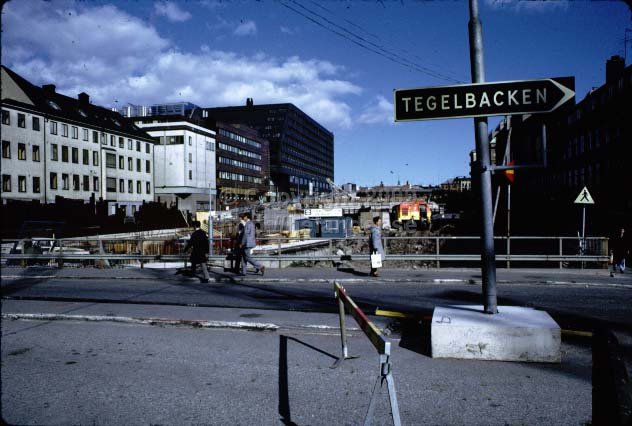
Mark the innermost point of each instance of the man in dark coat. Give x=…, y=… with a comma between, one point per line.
x=620, y=250
x=237, y=250
x=199, y=245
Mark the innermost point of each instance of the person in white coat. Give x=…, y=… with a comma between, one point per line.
x=375, y=241
x=247, y=243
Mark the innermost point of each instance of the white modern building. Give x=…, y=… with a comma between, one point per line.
x=54, y=145
x=184, y=162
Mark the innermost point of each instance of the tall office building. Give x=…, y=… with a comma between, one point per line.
x=301, y=150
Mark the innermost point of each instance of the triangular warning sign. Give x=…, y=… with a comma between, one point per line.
x=584, y=197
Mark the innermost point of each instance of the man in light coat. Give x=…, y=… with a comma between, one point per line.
x=247, y=243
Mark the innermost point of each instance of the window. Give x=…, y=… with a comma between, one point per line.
x=138, y=165
x=75, y=155
x=121, y=142
x=190, y=157
x=130, y=144
x=36, y=126
x=95, y=136
x=53, y=180
x=121, y=185
x=112, y=140
x=95, y=184
x=21, y=151
x=190, y=174
x=171, y=140
x=104, y=140
x=53, y=127
x=147, y=166
x=36, y=153
x=147, y=149
x=65, y=181
x=130, y=163
x=86, y=157
x=121, y=162
x=6, y=179
x=53, y=152
x=6, y=119
x=75, y=132
x=75, y=182
x=139, y=187
x=190, y=141
x=110, y=184
x=22, y=183
x=6, y=149
x=85, y=134
x=86, y=183
x=64, y=154
x=110, y=161
x=148, y=187
x=64, y=130
x=130, y=186
x=21, y=120
x=95, y=158
x=36, y=184
x=138, y=146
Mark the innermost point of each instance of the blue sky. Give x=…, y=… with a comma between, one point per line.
x=338, y=61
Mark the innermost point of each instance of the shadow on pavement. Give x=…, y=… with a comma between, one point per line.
x=284, y=397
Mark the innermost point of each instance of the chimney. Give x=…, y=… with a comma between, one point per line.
x=615, y=67
x=49, y=89
x=249, y=102
x=84, y=99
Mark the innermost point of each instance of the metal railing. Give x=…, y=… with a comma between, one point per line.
x=433, y=251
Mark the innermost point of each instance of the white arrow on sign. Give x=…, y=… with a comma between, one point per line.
x=584, y=197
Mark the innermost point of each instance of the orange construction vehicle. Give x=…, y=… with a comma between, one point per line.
x=410, y=214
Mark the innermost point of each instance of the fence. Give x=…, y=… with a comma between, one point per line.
x=437, y=251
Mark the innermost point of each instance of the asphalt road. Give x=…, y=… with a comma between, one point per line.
x=576, y=300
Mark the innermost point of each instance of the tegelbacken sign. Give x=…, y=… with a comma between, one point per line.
x=483, y=99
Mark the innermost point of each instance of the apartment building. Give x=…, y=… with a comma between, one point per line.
x=54, y=145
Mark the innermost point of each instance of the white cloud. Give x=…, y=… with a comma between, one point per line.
x=529, y=5
x=113, y=56
x=246, y=28
x=171, y=11
x=381, y=112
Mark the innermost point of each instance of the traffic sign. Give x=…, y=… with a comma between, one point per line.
x=483, y=99
x=584, y=197
x=509, y=173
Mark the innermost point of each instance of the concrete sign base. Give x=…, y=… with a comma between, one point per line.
x=514, y=334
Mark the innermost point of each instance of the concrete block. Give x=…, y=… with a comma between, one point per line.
x=514, y=334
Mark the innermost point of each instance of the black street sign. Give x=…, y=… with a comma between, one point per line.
x=483, y=99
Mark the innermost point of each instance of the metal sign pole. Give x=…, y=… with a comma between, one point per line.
x=488, y=261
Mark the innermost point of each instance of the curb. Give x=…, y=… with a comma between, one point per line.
x=164, y=322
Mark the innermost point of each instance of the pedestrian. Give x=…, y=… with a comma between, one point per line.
x=247, y=243
x=620, y=249
x=237, y=250
x=198, y=242
x=375, y=242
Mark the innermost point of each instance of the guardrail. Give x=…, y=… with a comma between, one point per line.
x=433, y=250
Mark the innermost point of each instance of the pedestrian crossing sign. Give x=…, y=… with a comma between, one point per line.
x=584, y=197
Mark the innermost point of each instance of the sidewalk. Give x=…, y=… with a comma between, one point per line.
x=323, y=274
x=104, y=372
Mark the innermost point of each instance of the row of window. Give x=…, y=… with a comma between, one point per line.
x=239, y=138
x=304, y=181
x=6, y=184
x=239, y=151
x=591, y=140
x=78, y=184
x=6, y=119
x=6, y=151
x=241, y=164
x=110, y=186
x=239, y=177
x=110, y=163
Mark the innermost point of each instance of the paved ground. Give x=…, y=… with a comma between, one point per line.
x=93, y=362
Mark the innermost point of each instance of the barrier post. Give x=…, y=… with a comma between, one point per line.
x=379, y=342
